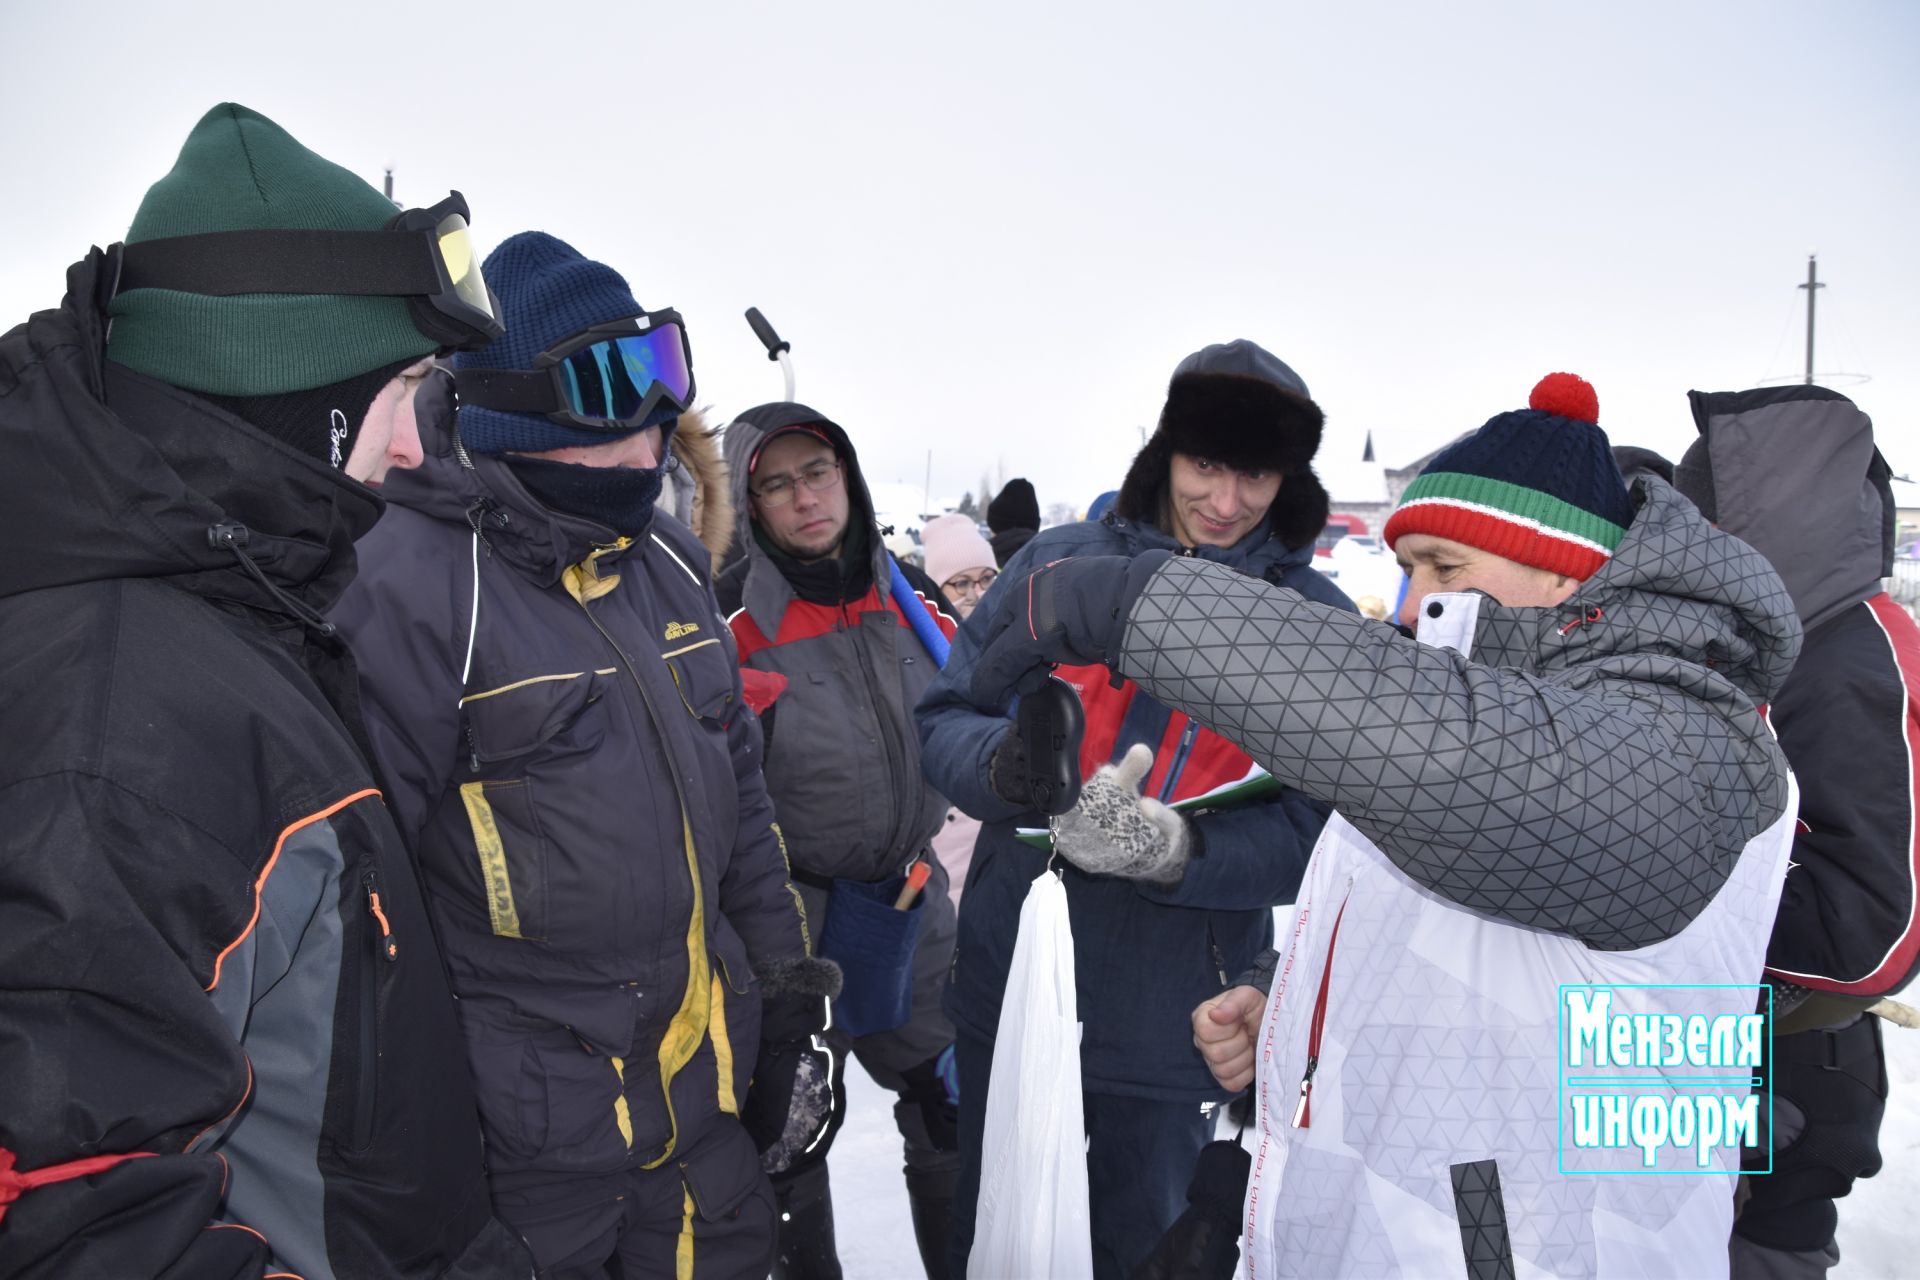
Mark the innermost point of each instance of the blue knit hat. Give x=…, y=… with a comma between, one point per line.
x=548, y=292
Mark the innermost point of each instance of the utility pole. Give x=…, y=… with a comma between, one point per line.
x=1812, y=284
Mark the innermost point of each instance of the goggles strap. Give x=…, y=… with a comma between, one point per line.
x=508, y=390
x=225, y=263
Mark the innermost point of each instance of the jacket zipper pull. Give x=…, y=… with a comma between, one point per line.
x=473, y=752
x=1303, y=1112
x=1219, y=961
x=388, y=947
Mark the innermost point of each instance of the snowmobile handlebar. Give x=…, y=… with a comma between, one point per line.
x=764, y=331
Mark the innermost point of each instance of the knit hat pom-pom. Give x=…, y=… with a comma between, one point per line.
x=1567, y=394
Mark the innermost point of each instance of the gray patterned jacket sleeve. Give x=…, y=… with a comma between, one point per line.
x=1603, y=796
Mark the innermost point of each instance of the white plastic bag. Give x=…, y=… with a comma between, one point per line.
x=1032, y=1219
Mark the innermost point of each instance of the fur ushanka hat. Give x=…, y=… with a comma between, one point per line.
x=1239, y=405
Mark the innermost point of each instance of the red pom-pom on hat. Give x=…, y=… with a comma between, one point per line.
x=1567, y=394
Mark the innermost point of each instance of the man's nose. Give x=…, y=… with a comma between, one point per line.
x=404, y=450
x=1410, y=609
x=1225, y=501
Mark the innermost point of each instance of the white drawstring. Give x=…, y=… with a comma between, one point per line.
x=473, y=622
x=676, y=559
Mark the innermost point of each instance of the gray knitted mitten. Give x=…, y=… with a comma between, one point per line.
x=1116, y=831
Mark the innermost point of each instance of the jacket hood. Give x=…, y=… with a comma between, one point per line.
x=111, y=474
x=765, y=591
x=1676, y=588
x=701, y=493
x=742, y=440
x=1793, y=472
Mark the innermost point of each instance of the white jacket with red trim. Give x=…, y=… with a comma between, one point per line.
x=1410, y=1108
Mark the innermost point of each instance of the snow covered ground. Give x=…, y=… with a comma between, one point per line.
x=869, y=1196
x=1876, y=1222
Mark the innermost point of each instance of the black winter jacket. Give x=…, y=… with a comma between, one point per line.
x=216, y=960
x=1795, y=473
x=557, y=710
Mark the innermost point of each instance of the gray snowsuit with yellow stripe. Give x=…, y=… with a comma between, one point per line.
x=572, y=763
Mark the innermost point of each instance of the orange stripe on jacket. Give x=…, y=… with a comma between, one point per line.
x=260, y=885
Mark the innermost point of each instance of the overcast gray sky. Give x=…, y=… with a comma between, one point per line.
x=992, y=230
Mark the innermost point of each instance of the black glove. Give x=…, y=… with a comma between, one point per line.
x=798, y=1095
x=929, y=1106
x=1070, y=611
x=1203, y=1241
x=1007, y=770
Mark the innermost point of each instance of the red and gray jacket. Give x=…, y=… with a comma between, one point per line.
x=843, y=760
x=1794, y=473
x=558, y=713
x=226, y=1042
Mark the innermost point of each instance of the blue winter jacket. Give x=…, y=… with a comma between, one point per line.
x=1145, y=957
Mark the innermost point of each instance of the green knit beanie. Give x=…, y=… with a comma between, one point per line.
x=239, y=171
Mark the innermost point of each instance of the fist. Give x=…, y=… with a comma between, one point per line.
x=1224, y=1031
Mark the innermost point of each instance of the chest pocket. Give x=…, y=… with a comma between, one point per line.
x=555, y=712
x=703, y=672
x=515, y=732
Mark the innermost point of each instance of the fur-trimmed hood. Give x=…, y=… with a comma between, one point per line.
x=1234, y=404
x=698, y=492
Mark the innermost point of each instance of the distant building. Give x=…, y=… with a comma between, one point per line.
x=1364, y=487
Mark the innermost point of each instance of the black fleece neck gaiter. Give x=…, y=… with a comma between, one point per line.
x=322, y=422
x=621, y=498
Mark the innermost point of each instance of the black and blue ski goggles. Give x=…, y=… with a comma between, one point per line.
x=611, y=378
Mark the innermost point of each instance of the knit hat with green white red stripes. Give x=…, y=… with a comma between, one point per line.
x=1538, y=486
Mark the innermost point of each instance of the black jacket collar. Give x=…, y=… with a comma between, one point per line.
x=111, y=474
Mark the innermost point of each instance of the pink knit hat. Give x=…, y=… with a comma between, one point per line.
x=954, y=544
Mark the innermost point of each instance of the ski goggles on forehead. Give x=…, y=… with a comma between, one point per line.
x=423, y=255
x=612, y=377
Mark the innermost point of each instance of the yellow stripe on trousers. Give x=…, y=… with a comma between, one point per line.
x=691, y=1020
x=622, y=1115
x=722, y=1049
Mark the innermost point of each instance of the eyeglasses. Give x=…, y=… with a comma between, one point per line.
x=965, y=586
x=423, y=255
x=778, y=491
x=608, y=378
